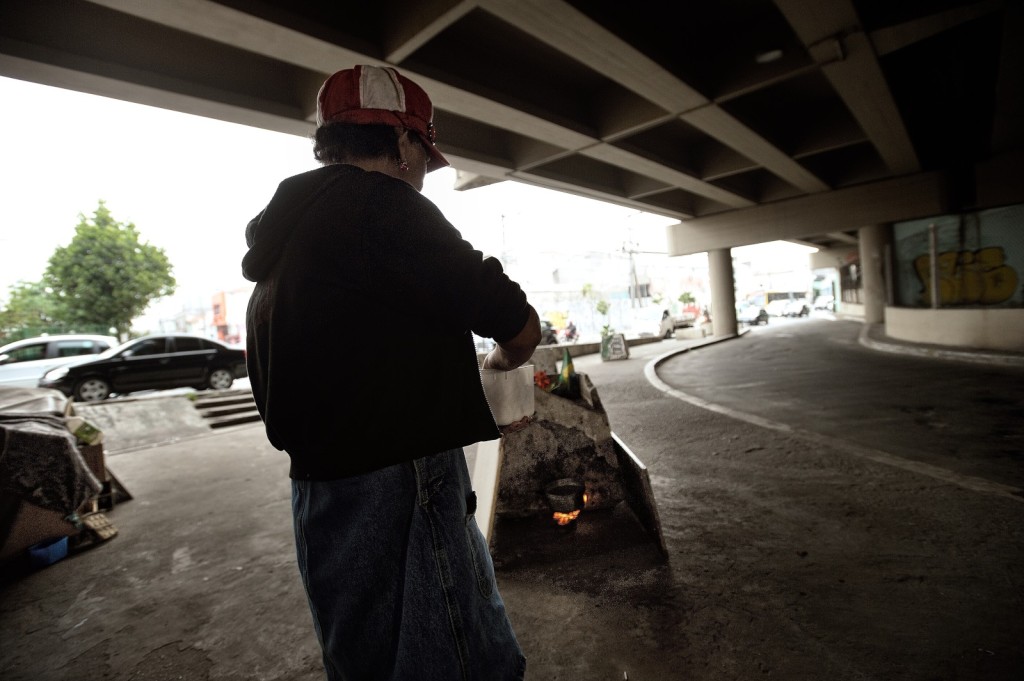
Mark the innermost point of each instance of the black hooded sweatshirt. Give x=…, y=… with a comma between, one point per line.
x=359, y=344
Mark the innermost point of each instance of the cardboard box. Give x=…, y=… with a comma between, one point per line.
x=96, y=461
x=83, y=430
x=34, y=525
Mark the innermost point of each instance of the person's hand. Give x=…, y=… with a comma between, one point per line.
x=501, y=360
x=513, y=353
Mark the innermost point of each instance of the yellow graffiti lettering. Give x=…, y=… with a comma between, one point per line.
x=968, y=277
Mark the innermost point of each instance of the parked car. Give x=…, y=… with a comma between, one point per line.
x=797, y=308
x=669, y=323
x=23, y=363
x=752, y=315
x=824, y=302
x=777, y=308
x=548, y=335
x=149, y=363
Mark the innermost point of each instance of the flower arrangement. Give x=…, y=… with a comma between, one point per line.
x=542, y=381
x=567, y=383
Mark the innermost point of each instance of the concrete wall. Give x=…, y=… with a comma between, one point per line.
x=850, y=310
x=986, y=329
x=545, y=357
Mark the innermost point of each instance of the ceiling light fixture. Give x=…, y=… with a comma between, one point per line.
x=768, y=56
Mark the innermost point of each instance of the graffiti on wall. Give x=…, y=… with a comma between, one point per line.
x=979, y=277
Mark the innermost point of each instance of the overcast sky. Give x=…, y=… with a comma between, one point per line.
x=190, y=184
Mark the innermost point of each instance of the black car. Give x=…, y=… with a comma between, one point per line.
x=149, y=363
x=548, y=335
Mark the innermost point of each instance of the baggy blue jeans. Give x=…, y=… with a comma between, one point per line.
x=399, y=579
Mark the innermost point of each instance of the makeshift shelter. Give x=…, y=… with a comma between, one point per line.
x=53, y=483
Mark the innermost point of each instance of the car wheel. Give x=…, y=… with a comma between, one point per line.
x=220, y=379
x=92, y=389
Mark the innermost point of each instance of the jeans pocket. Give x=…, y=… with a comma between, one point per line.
x=483, y=568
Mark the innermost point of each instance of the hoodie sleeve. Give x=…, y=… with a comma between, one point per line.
x=437, y=270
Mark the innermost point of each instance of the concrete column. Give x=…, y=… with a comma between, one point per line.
x=874, y=243
x=723, y=292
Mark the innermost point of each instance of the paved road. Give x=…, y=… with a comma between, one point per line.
x=793, y=554
x=831, y=512
x=812, y=374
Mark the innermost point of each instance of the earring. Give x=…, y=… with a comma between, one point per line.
x=402, y=165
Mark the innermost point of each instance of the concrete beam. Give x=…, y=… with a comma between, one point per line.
x=903, y=198
x=625, y=159
x=1007, y=129
x=566, y=29
x=714, y=121
x=265, y=115
x=842, y=209
x=892, y=38
x=830, y=30
x=417, y=22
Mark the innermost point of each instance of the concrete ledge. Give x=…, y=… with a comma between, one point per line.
x=133, y=424
x=995, y=329
x=691, y=333
x=874, y=336
x=546, y=357
x=543, y=354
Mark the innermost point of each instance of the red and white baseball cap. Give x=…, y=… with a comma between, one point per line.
x=369, y=95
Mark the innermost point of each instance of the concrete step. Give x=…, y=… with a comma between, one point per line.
x=206, y=397
x=233, y=419
x=228, y=401
x=223, y=408
x=228, y=409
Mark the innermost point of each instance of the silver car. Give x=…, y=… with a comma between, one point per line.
x=23, y=363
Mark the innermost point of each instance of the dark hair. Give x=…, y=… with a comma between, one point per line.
x=345, y=142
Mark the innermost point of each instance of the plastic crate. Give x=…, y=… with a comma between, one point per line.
x=47, y=552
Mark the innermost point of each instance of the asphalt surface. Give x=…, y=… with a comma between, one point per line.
x=831, y=511
x=814, y=376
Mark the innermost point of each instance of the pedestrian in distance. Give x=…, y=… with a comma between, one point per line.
x=397, y=574
x=571, y=334
x=667, y=326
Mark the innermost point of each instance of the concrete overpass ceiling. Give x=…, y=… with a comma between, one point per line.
x=732, y=116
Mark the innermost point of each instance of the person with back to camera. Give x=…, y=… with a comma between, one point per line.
x=398, y=577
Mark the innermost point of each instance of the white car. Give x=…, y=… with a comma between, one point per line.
x=751, y=315
x=777, y=308
x=797, y=308
x=23, y=363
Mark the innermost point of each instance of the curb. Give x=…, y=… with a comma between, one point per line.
x=934, y=352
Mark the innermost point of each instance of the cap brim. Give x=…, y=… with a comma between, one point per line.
x=436, y=160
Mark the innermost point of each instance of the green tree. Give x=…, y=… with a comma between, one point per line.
x=603, y=306
x=687, y=298
x=106, y=275
x=30, y=310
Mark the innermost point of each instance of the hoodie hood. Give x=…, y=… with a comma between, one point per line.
x=269, y=232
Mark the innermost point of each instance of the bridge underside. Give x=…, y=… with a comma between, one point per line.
x=746, y=120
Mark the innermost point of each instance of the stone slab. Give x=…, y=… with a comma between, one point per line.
x=132, y=424
x=566, y=438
